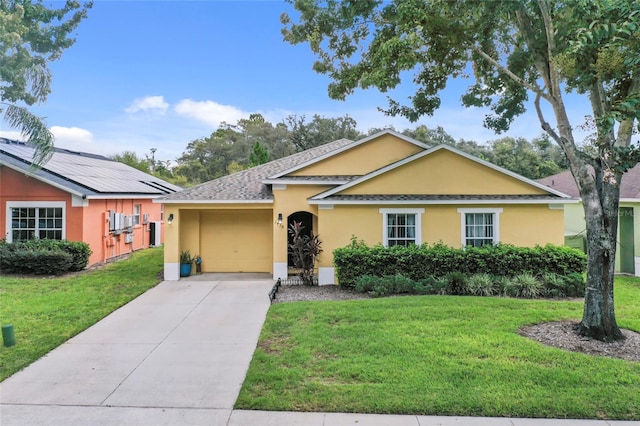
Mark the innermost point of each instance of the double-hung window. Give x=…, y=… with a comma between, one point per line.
x=35, y=220
x=480, y=227
x=137, y=208
x=401, y=227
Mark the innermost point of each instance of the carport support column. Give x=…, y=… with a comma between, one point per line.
x=171, y=243
x=280, y=237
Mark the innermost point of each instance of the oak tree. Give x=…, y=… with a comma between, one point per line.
x=510, y=51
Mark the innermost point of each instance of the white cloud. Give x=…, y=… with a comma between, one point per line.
x=11, y=134
x=209, y=112
x=151, y=104
x=73, y=138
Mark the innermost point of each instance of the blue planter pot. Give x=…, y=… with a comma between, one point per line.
x=185, y=269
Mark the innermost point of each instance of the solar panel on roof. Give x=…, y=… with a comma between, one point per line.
x=93, y=172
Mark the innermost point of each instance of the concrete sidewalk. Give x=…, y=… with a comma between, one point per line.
x=177, y=355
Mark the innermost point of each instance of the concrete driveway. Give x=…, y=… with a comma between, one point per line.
x=177, y=354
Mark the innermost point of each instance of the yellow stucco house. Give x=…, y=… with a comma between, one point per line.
x=628, y=247
x=386, y=188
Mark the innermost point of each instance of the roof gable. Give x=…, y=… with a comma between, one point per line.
x=440, y=171
x=249, y=186
x=84, y=174
x=359, y=157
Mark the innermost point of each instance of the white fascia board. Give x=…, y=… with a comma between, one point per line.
x=348, y=147
x=121, y=197
x=630, y=200
x=161, y=201
x=303, y=182
x=440, y=202
x=43, y=179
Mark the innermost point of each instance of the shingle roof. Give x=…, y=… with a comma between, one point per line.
x=564, y=182
x=85, y=174
x=246, y=185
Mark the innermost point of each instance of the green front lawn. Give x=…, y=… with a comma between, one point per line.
x=46, y=312
x=437, y=355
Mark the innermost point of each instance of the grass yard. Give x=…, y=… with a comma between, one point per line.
x=437, y=355
x=46, y=312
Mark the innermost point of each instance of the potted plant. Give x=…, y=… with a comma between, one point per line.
x=186, y=262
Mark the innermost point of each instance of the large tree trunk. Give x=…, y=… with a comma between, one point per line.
x=600, y=193
x=601, y=215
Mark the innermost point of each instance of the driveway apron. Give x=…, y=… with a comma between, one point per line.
x=178, y=354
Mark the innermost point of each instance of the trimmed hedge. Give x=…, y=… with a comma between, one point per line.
x=43, y=257
x=438, y=260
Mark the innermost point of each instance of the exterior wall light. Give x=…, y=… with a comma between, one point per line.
x=170, y=219
x=279, y=221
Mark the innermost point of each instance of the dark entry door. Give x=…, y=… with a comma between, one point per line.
x=627, y=248
x=307, y=221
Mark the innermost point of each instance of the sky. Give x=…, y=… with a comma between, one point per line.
x=159, y=74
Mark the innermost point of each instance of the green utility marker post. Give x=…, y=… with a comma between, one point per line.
x=8, y=337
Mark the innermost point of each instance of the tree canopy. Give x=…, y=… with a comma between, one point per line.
x=254, y=141
x=32, y=35
x=509, y=51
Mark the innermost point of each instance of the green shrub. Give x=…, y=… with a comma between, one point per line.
x=365, y=283
x=80, y=252
x=430, y=285
x=455, y=283
x=43, y=257
x=575, y=284
x=438, y=260
x=554, y=285
x=383, y=286
x=39, y=262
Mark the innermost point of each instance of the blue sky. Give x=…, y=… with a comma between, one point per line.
x=150, y=74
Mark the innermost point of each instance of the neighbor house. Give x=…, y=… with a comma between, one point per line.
x=628, y=249
x=79, y=197
x=384, y=189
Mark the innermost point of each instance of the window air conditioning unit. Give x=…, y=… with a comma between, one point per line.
x=128, y=238
x=116, y=221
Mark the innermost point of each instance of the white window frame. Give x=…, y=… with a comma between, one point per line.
x=496, y=222
x=136, y=215
x=417, y=212
x=30, y=205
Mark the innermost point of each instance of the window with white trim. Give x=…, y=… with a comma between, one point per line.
x=137, y=208
x=30, y=221
x=480, y=227
x=401, y=227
